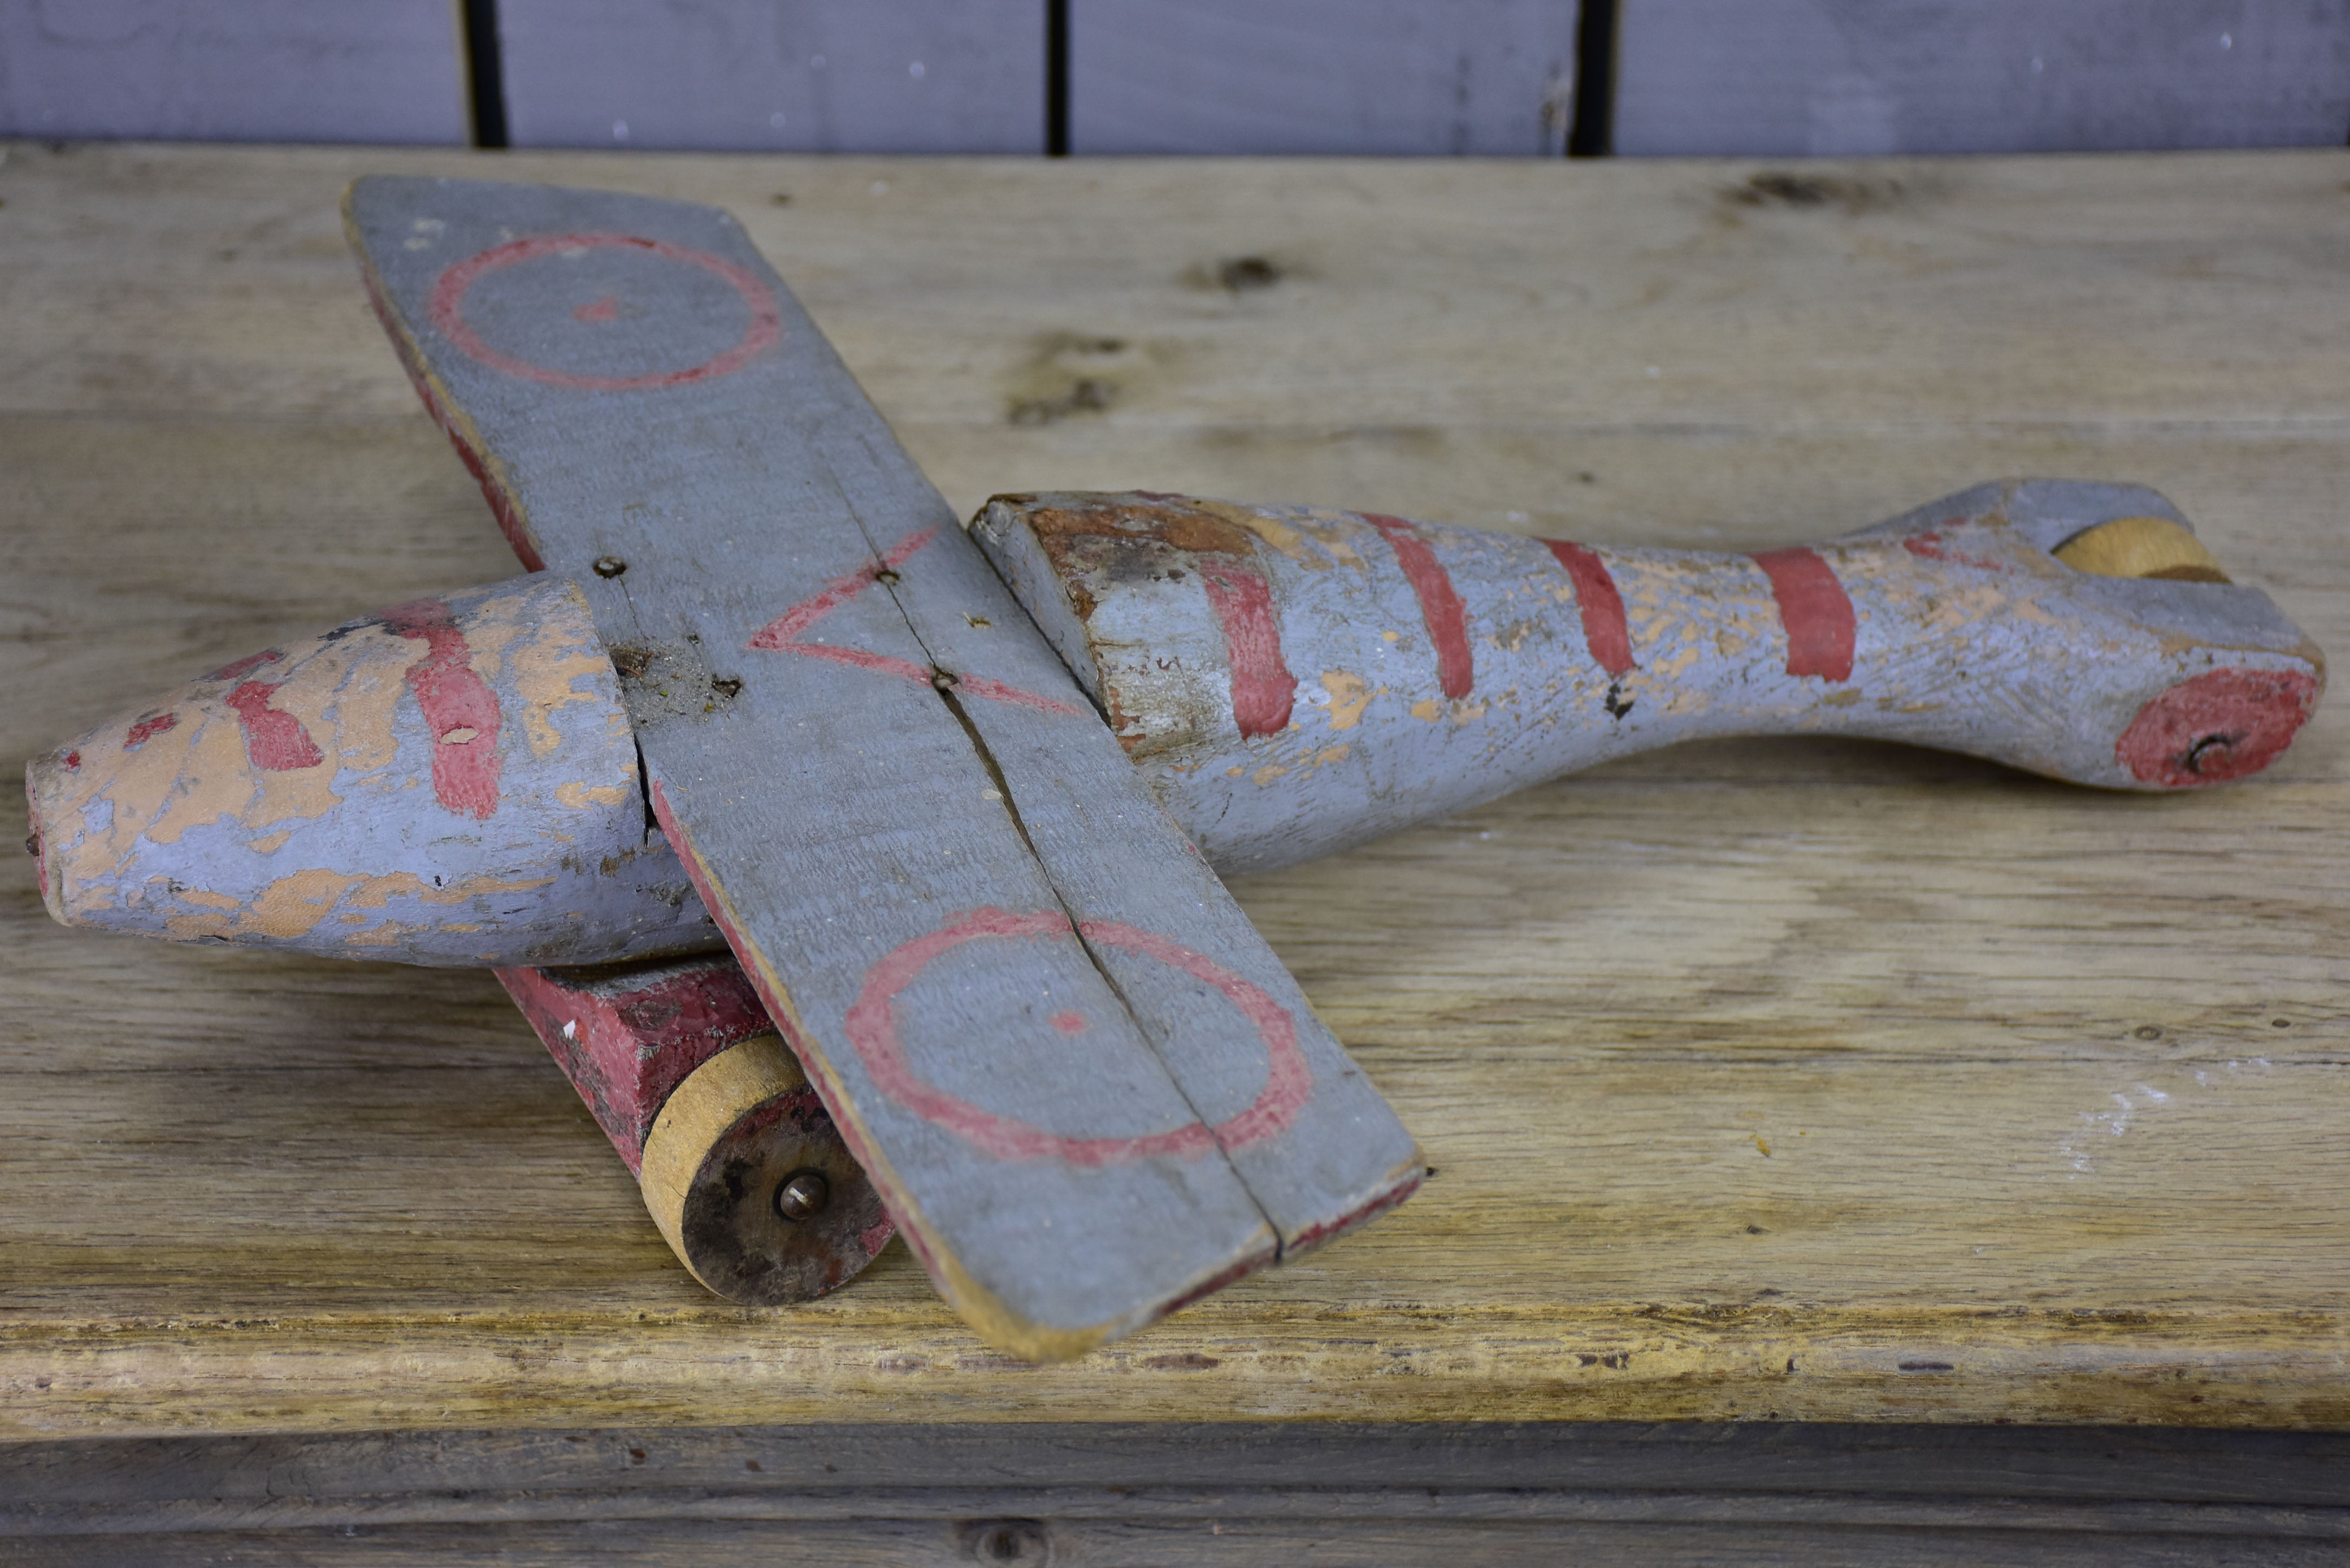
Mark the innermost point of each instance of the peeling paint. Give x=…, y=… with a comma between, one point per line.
x=1349, y=695
x=189, y=835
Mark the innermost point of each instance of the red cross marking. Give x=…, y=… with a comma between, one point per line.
x=784, y=634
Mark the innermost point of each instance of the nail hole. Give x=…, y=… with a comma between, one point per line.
x=610, y=565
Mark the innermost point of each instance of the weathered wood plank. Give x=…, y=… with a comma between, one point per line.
x=870, y=763
x=1847, y=77
x=277, y=71
x=1479, y=77
x=1233, y=1488
x=1241, y=1543
x=807, y=76
x=1589, y=997
x=1164, y=1466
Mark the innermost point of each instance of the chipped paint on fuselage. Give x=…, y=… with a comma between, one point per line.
x=1954, y=626
x=190, y=830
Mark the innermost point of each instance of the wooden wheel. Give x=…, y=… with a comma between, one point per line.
x=750, y=1182
x=2141, y=547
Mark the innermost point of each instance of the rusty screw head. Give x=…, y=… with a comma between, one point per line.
x=802, y=1194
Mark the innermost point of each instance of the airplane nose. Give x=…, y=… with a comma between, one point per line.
x=450, y=781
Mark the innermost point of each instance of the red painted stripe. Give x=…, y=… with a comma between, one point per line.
x=2219, y=725
x=1604, y=630
x=778, y=1003
x=1314, y=1236
x=871, y=1025
x=996, y=690
x=1815, y=610
x=1264, y=689
x=782, y=635
x=446, y=307
x=628, y=1049
x=273, y=740
x=147, y=729
x=503, y=507
x=1439, y=605
x=246, y=666
x=454, y=699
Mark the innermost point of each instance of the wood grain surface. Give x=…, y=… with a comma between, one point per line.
x=1127, y=1494
x=1815, y=1079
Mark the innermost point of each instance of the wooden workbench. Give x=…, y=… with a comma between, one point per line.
x=1764, y=1081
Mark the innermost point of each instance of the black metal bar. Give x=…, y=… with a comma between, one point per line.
x=486, y=79
x=1593, y=134
x=1056, y=77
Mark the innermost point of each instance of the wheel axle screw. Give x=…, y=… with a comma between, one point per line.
x=802, y=1194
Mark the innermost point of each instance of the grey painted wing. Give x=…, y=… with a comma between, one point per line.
x=1086, y=1089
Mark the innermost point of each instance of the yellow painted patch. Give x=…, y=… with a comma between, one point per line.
x=1349, y=695
x=1428, y=709
x=1335, y=532
x=550, y=666
x=96, y=814
x=582, y=797
x=195, y=928
x=491, y=624
x=369, y=672
x=1272, y=530
x=293, y=906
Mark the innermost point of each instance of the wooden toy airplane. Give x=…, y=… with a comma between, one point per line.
x=1036, y=1032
